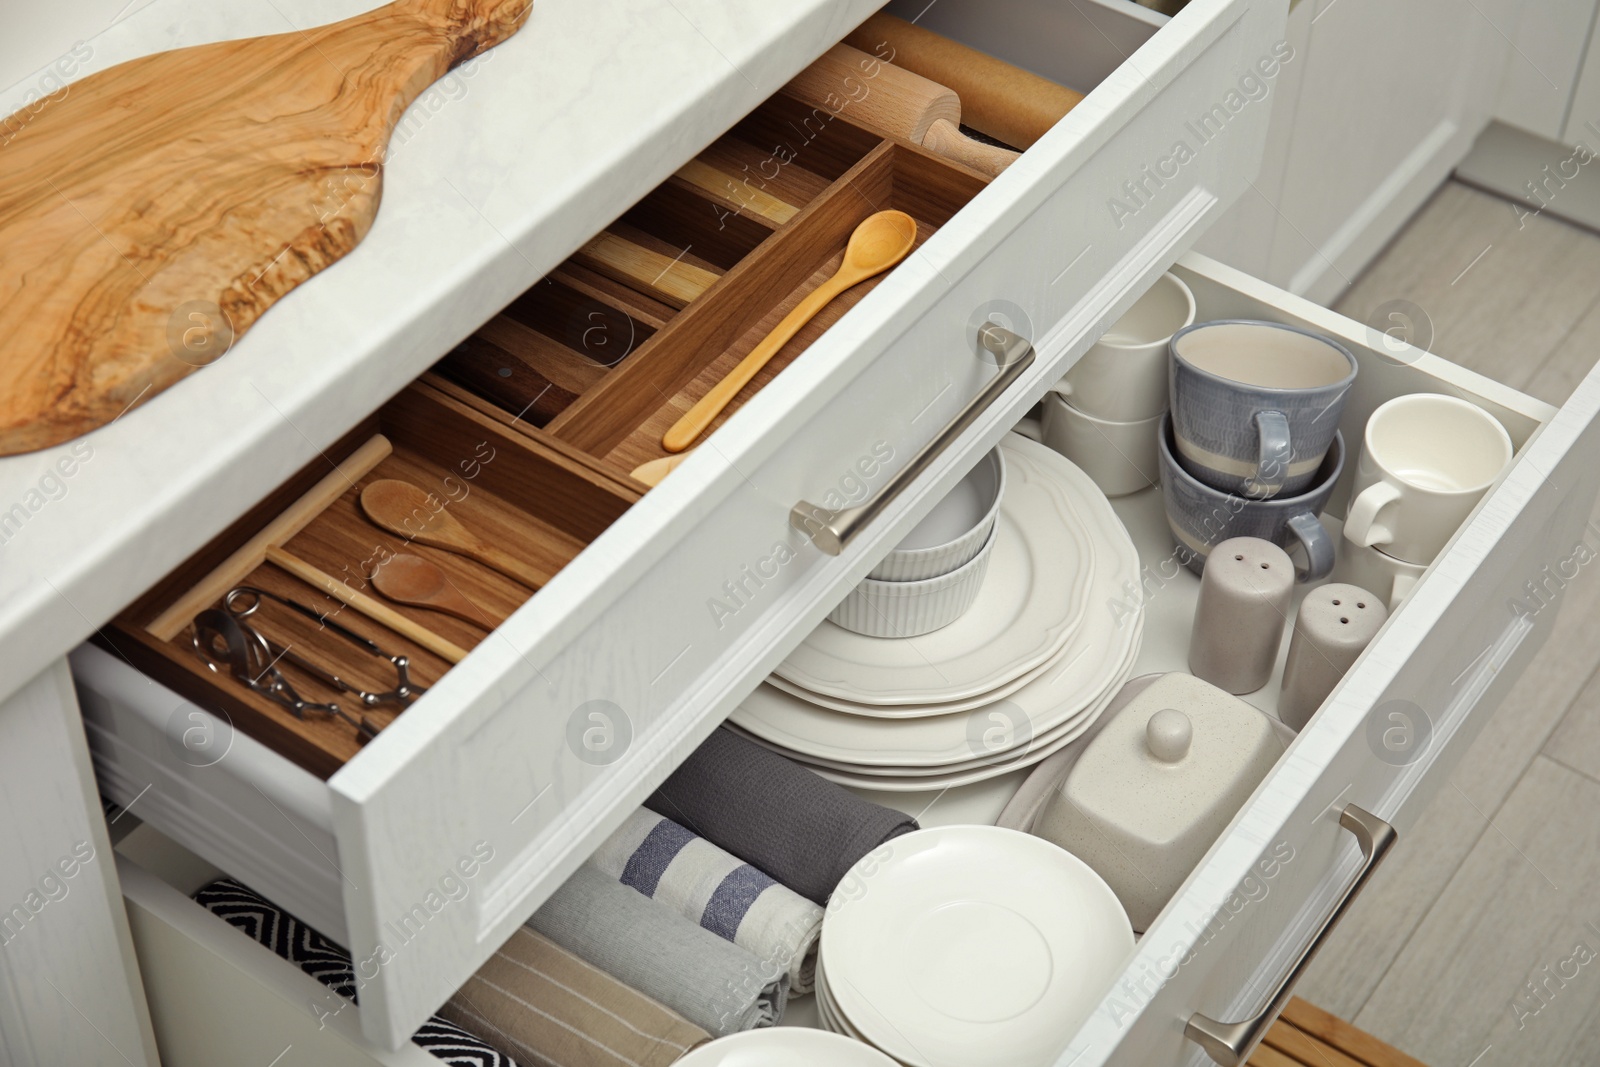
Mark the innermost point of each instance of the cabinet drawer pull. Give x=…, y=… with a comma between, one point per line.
x=832, y=529
x=1230, y=1043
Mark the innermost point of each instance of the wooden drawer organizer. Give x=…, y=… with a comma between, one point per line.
x=528, y=429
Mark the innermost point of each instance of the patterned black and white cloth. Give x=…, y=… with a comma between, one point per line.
x=329, y=964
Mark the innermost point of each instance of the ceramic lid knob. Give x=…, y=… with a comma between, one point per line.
x=1168, y=734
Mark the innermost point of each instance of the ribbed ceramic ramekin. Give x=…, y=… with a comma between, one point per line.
x=909, y=609
x=988, y=478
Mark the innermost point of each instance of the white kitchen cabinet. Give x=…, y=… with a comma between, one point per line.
x=1380, y=103
x=485, y=756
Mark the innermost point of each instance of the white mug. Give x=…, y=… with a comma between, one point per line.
x=1123, y=378
x=1119, y=457
x=1390, y=580
x=1426, y=459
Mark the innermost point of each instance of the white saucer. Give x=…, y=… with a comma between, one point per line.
x=785, y=1046
x=974, y=945
x=1032, y=599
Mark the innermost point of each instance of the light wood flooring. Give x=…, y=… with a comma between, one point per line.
x=1477, y=944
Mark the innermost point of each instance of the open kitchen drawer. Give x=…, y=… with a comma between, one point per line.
x=540, y=740
x=1441, y=664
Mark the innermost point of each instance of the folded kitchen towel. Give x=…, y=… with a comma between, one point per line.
x=802, y=830
x=721, y=892
x=713, y=983
x=240, y=907
x=551, y=1008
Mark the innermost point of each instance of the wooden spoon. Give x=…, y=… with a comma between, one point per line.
x=881, y=241
x=410, y=579
x=151, y=212
x=406, y=511
x=652, y=472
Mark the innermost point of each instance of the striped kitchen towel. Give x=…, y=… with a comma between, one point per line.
x=553, y=1009
x=721, y=892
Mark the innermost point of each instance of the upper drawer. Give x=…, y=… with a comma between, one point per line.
x=667, y=610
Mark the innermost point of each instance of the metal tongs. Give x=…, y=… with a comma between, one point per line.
x=225, y=642
x=243, y=601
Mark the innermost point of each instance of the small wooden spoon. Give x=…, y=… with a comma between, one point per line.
x=655, y=470
x=406, y=511
x=881, y=241
x=410, y=579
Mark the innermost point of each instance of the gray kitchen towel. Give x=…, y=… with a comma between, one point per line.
x=771, y=812
x=713, y=983
x=717, y=890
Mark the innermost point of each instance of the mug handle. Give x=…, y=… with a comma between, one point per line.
x=1361, y=525
x=1313, y=537
x=1061, y=387
x=1272, y=465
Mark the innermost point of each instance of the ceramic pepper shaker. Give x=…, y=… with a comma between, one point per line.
x=1335, y=623
x=1246, y=591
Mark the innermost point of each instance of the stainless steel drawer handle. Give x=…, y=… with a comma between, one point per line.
x=1230, y=1043
x=832, y=530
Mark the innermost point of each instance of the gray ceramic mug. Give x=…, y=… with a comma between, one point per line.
x=1255, y=405
x=1201, y=516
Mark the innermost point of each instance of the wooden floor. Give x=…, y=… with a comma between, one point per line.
x=1477, y=944
x=1307, y=1036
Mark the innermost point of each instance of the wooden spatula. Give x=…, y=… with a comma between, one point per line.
x=407, y=511
x=150, y=213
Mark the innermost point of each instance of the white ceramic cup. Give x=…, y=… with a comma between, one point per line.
x=1426, y=459
x=1123, y=378
x=1120, y=457
x=1390, y=580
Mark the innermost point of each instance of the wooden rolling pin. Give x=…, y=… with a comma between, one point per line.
x=151, y=213
x=891, y=100
x=998, y=99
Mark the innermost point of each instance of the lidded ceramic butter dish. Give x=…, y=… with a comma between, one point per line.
x=1157, y=785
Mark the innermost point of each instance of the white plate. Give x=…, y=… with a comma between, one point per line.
x=972, y=945
x=1097, y=655
x=1006, y=746
x=910, y=711
x=785, y=1046
x=1032, y=598
x=952, y=778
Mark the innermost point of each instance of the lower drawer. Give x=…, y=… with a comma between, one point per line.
x=1264, y=890
x=216, y=996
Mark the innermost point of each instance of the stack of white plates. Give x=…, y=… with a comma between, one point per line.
x=1051, y=636
x=969, y=945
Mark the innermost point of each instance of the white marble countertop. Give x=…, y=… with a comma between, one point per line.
x=506, y=169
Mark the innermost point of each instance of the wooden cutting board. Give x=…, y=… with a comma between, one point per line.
x=150, y=213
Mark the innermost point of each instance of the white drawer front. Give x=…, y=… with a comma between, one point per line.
x=1391, y=732
x=535, y=747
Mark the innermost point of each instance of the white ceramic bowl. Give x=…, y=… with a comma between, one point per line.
x=953, y=532
x=1121, y=457
x=910, y=609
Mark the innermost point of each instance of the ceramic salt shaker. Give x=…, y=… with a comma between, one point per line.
x=1335, y=623
x=1246, y=591
x=1157, y=785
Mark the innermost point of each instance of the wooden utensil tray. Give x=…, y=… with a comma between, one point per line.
x=534, y=500
x=646, y=361
x=528, y=430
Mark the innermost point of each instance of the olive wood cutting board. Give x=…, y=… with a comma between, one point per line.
x=150, y=213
